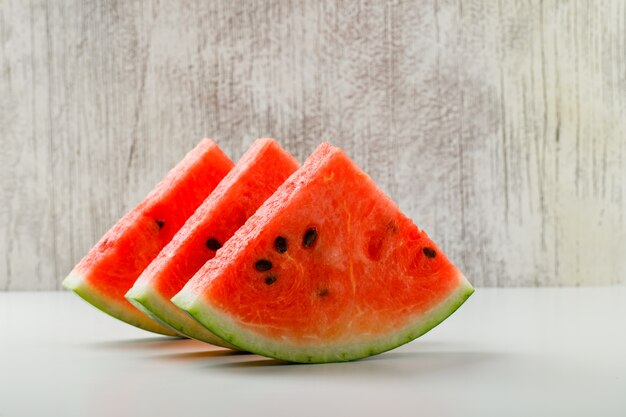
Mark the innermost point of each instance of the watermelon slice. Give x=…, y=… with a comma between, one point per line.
x=328, y=269
x=111, y=267
x=263, y=168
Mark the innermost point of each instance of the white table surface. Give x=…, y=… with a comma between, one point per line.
x=506, y=352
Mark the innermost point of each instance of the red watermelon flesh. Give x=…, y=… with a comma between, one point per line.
x=111, y=267
x=262, y=169
x=328, y=269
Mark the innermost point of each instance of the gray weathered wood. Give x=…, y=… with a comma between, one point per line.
x=499, y=126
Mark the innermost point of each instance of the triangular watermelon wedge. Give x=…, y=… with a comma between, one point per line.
x=261, y=170
x=111, y=267
x=328, y=269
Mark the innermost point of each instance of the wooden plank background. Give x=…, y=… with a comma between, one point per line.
x=499, y=126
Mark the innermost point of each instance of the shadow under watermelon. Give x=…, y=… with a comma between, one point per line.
x=392, y=364
x=191, y=356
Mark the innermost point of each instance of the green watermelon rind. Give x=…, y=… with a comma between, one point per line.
x=225, y=328
x=77, y=283
x=167, y=314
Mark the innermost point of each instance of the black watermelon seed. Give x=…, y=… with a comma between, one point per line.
x=270, y=279
x=309, y=238
x=429, y=252
x=213, y=244
x=263, y=265
x=280, y=244
x=160, y=223
x=323, y=292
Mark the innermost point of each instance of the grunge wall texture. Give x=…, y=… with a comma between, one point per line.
x=498, y=126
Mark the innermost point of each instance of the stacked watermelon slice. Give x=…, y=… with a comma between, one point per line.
x=304, y=264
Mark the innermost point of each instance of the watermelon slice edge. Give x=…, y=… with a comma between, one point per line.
x=228, y=330
x=76, y=283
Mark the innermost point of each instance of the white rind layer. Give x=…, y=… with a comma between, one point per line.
x=120, y=311
x=246, y=339
x=162, y=310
